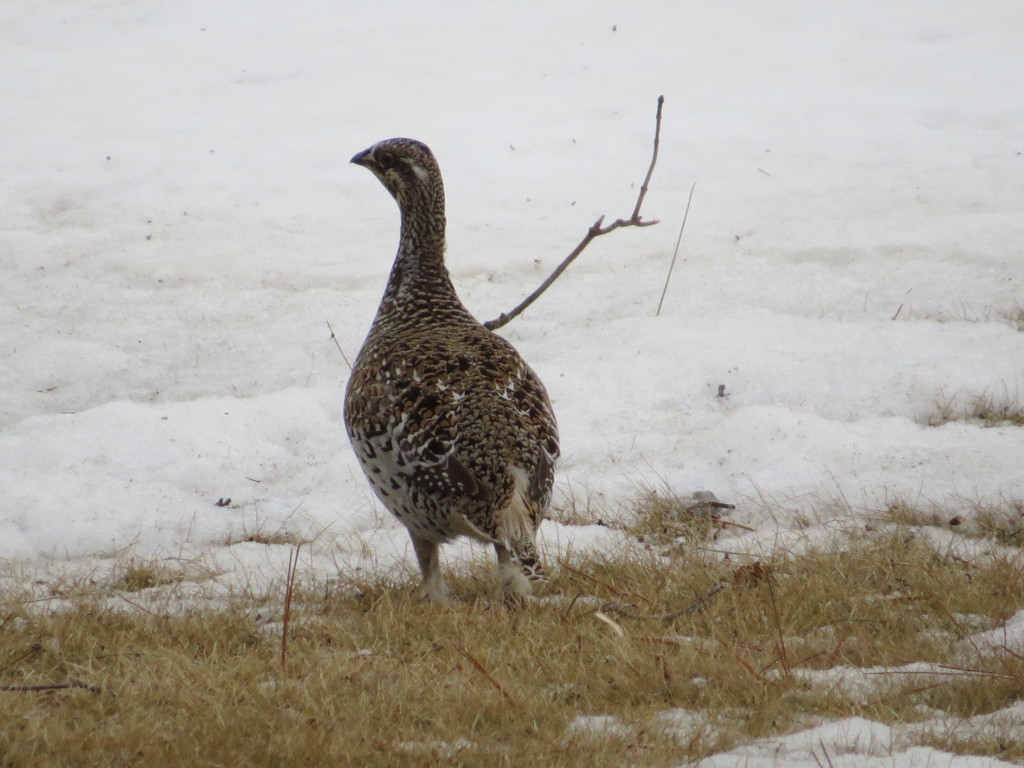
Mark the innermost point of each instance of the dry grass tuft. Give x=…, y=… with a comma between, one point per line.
x=137, y=575
x=987, y=409
x=1008, y=745
x=581, y=510
x=1015, y=317
x=640, y=658
x=1002, y=521
x=261, y=534
x=661, y=516
x=962, y=313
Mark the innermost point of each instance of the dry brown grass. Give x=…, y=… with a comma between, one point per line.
x=374, y=676
x=1015, y=317
x=137, y=575
x=989, y=409
x=661, y=516
x=1008, y=745
x=1000, y=521
x=261, y=533
x=1012, y=316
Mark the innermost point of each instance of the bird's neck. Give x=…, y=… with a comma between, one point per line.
x=420, y=288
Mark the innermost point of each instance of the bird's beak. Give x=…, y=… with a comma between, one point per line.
x=360, y=158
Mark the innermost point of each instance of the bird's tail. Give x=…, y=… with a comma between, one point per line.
x=524, y=553
x=517, y=525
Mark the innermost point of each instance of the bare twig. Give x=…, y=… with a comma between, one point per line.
x=136, y=605
x=780, y=646
x=675, y=253
x=596, y=230
x=744, y=663
x=914, y=691
x=588, y=577
x=824, y=751
x=666, y=673
x=52, y=687
x=1012, y=653
x=730, y=524
x=834, y=656
x=571, y=604
x=696, y=606
x=965, y=634
x=947, y=670
x=481, y=669
x=679, y=642
x=700, y=603
x=338, y=345
x=34, y=648
x=293, y=566
x=635, y=218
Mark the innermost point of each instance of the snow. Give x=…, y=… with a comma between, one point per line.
x=1010, y=636
x=179, y=226
x=599, y=724
x=852, y=742
x=849, y=743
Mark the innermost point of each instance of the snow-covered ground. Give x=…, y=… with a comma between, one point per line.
x=179, y=224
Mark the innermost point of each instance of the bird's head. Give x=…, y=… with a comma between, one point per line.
x=407, y=168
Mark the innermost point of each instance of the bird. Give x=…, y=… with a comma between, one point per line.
x=453, y=429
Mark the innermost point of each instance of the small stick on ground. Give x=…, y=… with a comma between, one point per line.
x=834, y=656
x=136, y=605
x=675, y=253
x=780, y=646
x=52, y=687
x=696, y=606
x=730, y=524
x=293, y=566
x=34, y=648
x=744, y=663
x=596, y=230
x=824, y=751
x=588, y=577
x=481, y=669
x=1007, y=649
x=571, y=604
x=338, y=345
x=946, y=670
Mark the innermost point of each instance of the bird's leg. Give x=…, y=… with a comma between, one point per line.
x=510, y=574
x=433, y=582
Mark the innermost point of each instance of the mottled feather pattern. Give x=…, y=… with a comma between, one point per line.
x=453, y=429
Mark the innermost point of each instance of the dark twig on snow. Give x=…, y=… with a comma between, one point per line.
x=672, y=266
x=597, y=229
x=338, y=345
x=828, y=758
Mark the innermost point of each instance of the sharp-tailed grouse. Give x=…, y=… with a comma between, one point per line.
x=453, y=429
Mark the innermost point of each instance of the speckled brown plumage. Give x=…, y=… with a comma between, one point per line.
x=453, y=429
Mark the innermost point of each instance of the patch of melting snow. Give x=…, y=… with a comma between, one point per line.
x=849, y=743
x=600, y=724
